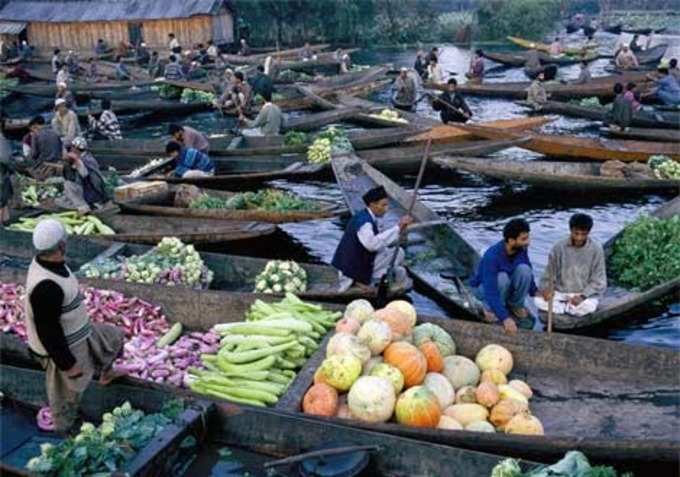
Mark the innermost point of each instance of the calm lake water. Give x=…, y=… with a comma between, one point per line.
x=480, y=207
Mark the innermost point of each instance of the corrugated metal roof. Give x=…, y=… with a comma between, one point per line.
x=61, y=12
x=11, y=28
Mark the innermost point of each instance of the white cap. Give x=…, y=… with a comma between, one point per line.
x=404, y=69
x=143, y=45
x=59, y=102
x=79, y=143
x=47, y=234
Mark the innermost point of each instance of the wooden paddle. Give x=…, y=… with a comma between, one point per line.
x=384, y=285
x=551, y=302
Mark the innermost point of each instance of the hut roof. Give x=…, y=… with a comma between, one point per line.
x=65, y=12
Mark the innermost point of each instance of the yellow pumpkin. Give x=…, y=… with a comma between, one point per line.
x=419, y=407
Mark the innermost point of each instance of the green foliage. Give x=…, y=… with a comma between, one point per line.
x=529, y=19
x=647, y=253
x=449, y=24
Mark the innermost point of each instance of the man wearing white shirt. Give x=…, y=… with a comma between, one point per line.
x=174, y=43
x=364, y=253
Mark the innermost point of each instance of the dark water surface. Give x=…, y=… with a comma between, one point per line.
x=480, y=207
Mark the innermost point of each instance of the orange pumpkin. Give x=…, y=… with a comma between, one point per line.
x=320, y=400
x=407, y=359
x=318, y=377
x=400, y=322
x=435, y=361
x=419, y=407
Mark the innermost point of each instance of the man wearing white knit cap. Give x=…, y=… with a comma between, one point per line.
x=61, y=337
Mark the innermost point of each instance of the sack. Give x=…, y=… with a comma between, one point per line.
x=186, y=194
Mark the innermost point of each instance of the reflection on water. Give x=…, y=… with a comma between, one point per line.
x=479, y=207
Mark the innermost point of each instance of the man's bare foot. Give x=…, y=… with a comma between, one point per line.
x=510, y=326
x=110, y=376
x=489, y=317
x=521, y=313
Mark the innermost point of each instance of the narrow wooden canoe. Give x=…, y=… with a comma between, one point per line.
x=233, y=274
x=163, y=205
x=614, y=402
x=544, y=47
x=601, y=87
x=260, y=57
x=651, y=56
x=24, y=393
x=519, y=59
x=617, y=300
x=584, y=176
x=642, y=119
x=660, y=135
x=445, y=133
x=580, y=148
x=145, y=229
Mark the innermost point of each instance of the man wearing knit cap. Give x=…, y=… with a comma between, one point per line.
x=70, y=348
x=364, y=253
x=65, y=122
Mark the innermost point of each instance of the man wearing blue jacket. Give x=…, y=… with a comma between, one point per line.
x=505, y=277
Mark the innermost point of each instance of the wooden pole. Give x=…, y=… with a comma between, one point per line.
x=551, y=302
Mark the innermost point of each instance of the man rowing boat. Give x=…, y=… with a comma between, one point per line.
x=451, y=105
x=537, y=96
x=405, y=90
x=70, y=348
x=575, y=277
x=364, y=253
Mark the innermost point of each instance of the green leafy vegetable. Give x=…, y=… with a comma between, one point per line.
x=295, y=138
x=271, y=200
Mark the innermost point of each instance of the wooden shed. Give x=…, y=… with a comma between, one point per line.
x=77, y=25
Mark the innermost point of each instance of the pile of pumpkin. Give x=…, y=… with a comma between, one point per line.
x=380, y=365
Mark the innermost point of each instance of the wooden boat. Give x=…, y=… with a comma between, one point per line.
x=662, y=135
x=445, y=133
x=150, y=230
x=581, y=148
x=24, y=393
x=601, y=87
x=612, y=401
x=617, y=29
x=617, y=300
x=519, y=59
x=642, y=119
x=545, y=48
x=233, y=274
x=158, y=106
x=163, y=205
x=323, y=60
x=651, y=56
x=260, y=57
x=256, y=436
x=555, y=175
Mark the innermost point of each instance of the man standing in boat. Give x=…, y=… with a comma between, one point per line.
x=70, y=348
x=505, y=277
x=364, y=253
x=575, y=277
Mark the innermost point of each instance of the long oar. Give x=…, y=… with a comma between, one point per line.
x=384, y=281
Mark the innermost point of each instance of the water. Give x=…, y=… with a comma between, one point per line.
x=479, y=207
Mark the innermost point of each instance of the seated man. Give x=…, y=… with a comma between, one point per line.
x=122, y=71
x=106, y=126
x=626, y=59
x=505, y=277
x=268, y=121
x=537, y=96
x=84, y=187
x=621, y=114
x=451, y=105
x=190, y=162
x=189, y=137
x=364, y=254
x=65, y=122
x=575, y=275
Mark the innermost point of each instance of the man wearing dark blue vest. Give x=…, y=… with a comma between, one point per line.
x=363, y=255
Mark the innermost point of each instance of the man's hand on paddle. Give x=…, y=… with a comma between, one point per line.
x=576, y=300
x=404, y=222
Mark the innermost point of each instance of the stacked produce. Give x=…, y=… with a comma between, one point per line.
x=591, y=102
x=391, y=368
x=664, y=167
x=328, y=142
x=74, y=223
x=647, y=253
x=295, y=138
x=270, y=200
x=34, y=192
x=390, y=115
x=100, y=450
x=168, y=91
x=196, y=96
x=258, y=358
x=281, y=276
x=573, y=464
x=170, y=263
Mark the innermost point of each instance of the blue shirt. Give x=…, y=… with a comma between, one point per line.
x=495, y=261
x=193, y=160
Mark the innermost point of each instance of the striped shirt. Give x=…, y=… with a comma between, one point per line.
x=193, y=160
x=173, y=71
x=107, y=125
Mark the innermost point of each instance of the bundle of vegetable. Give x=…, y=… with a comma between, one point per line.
x=391, y=368
x=168, y=91
x=74, y=223
x=5, y=84
x=257, y=359
x=295, y=138
x=664, y=167
x=592, y=102
x=111, y=180
x=281, y=276
x=12, y=310
x=320, y=151
x=328, y=142
x=150, y=166
x=104, y=449
x=573, y=464
x=271, y=200
x=647, y=253
x=166, y=359
x=170, y=263
x=106, y=268
x=390, y=115
x=34, y=192
x=196, y=96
